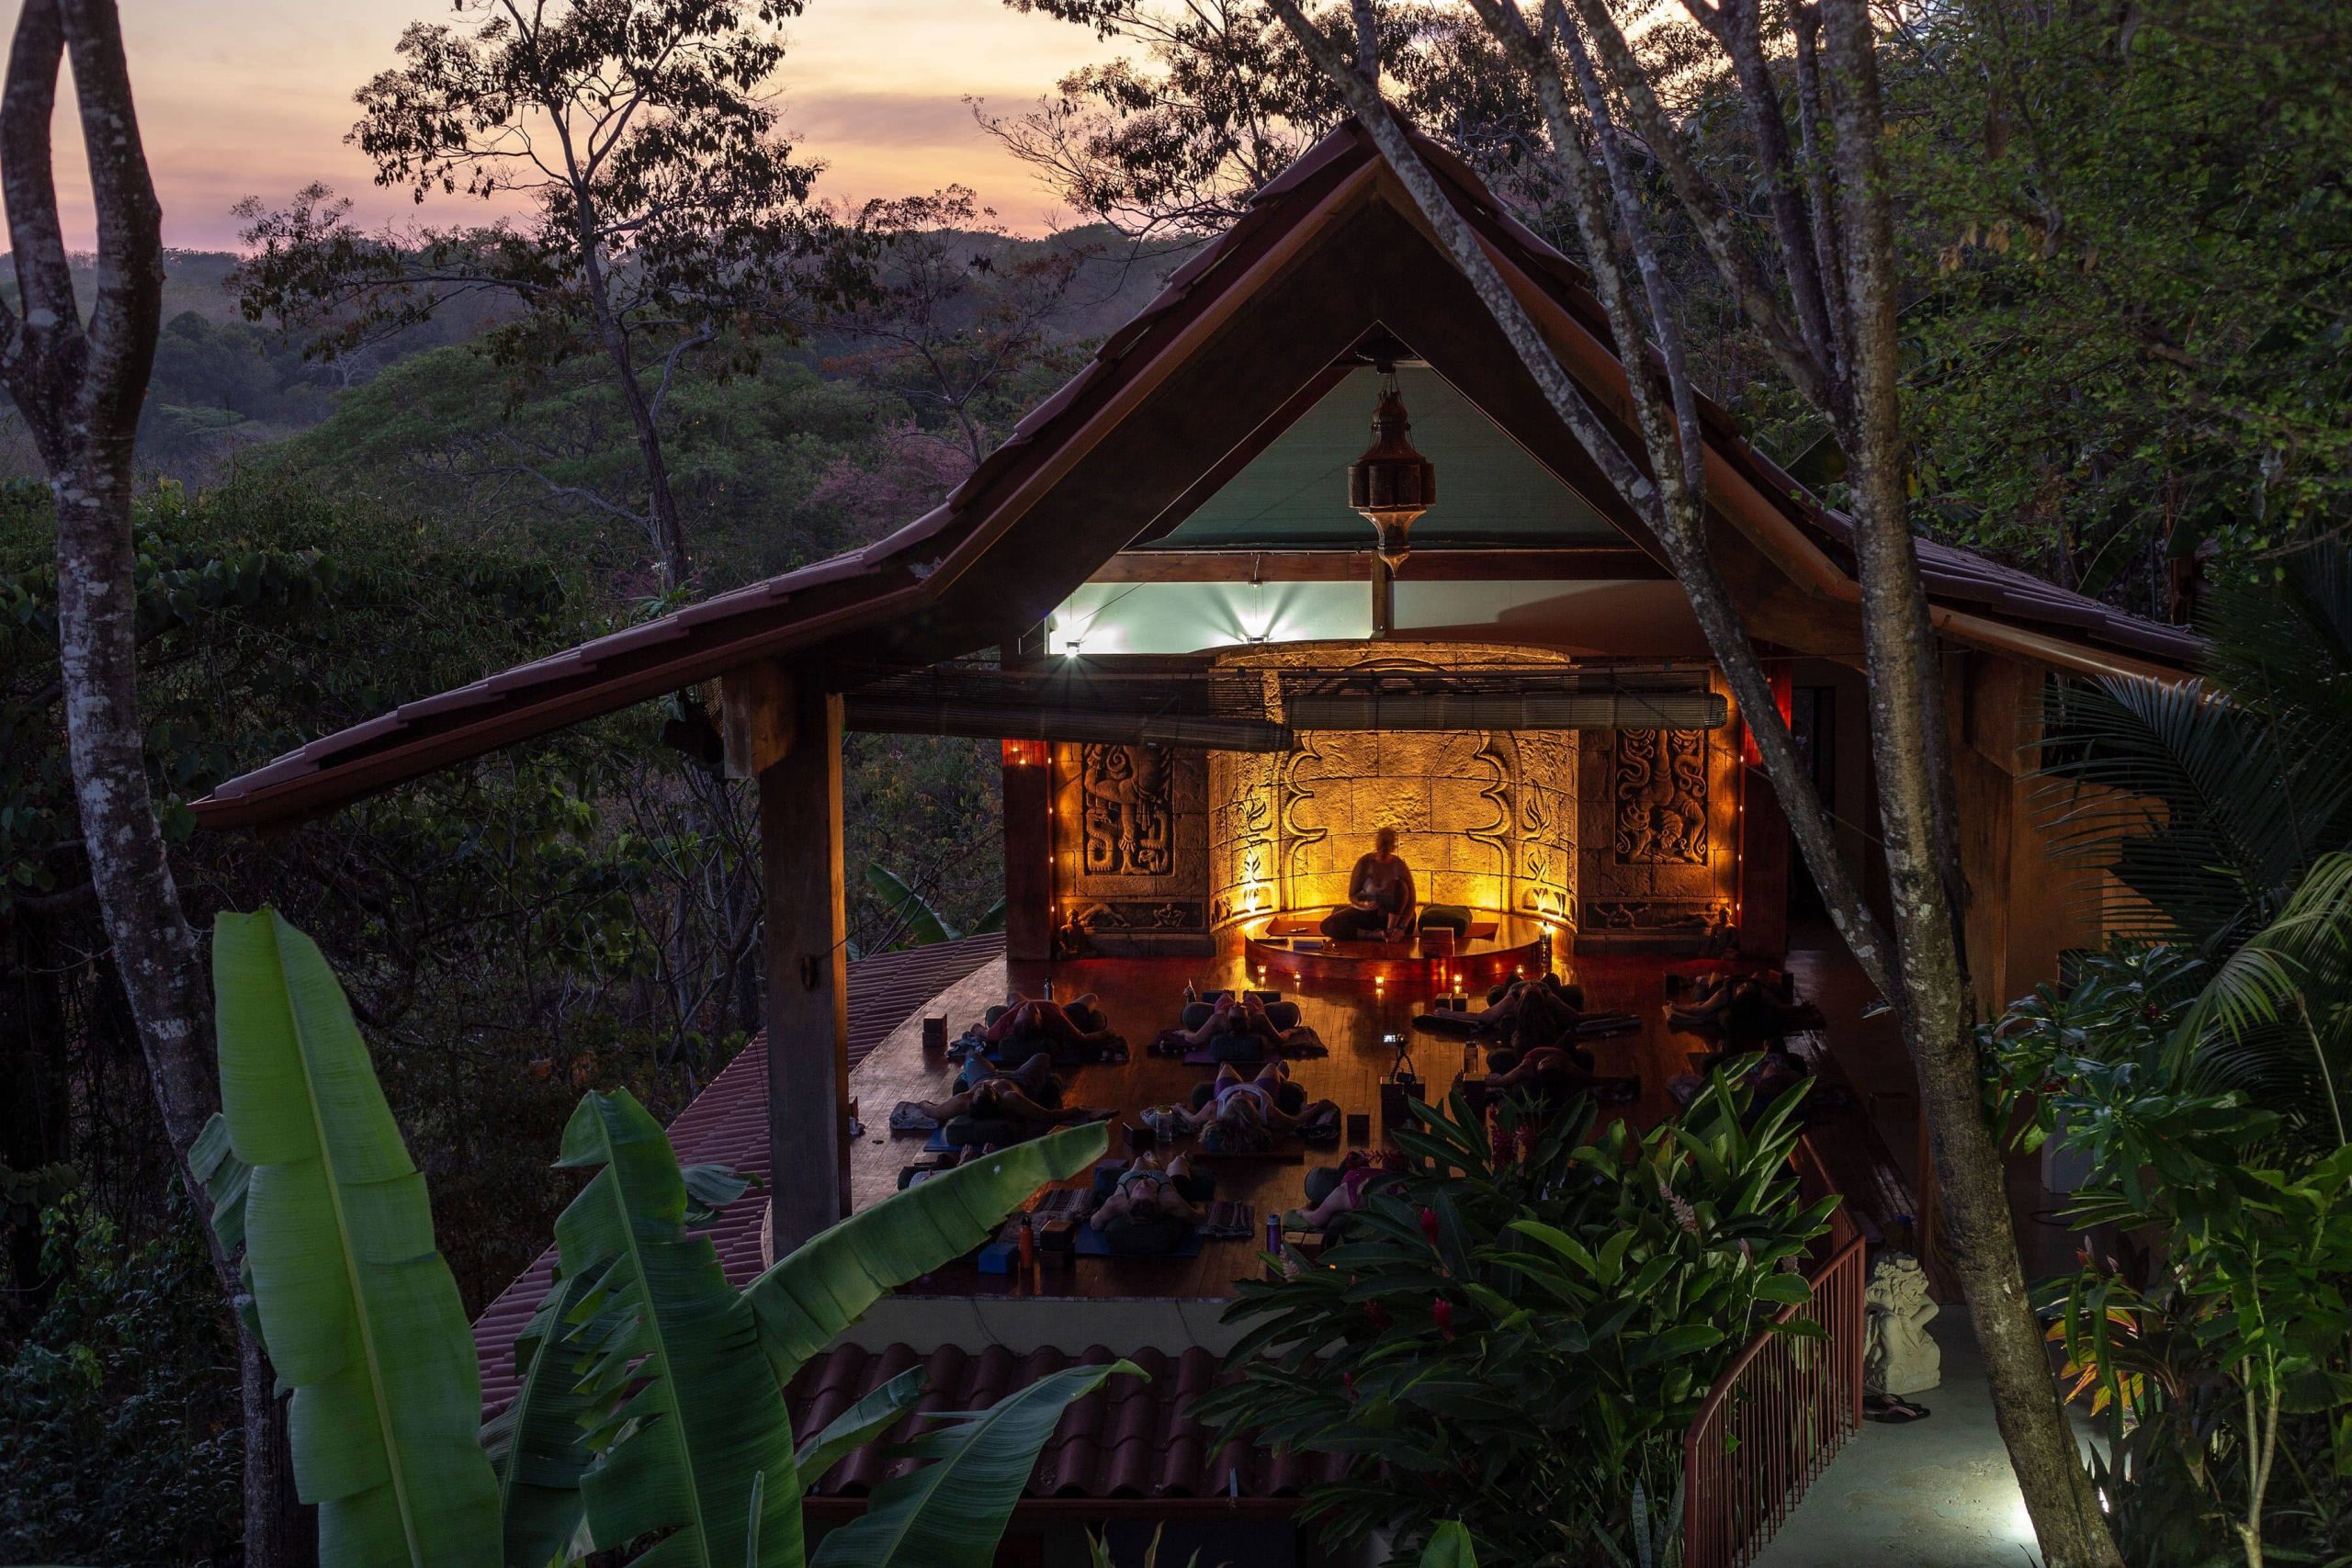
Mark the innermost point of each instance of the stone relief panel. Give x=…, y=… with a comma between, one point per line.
x=1660, y=785
x=1130, y=815
x=1658, y=858
x=1131, y=852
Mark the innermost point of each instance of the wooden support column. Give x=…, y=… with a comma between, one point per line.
x=1383, y=598
x=808, y=972
x=1028, y=851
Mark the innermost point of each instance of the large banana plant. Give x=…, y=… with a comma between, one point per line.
x=651, y=1419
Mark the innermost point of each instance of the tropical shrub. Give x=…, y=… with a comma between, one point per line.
x=651, y=1422
x=2216, y=1341
x=2199, y=1070
x=1516, y=1335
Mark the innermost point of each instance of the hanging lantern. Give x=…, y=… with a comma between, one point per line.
x=1391, y=484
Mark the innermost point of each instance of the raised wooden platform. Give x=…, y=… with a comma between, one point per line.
x=1142, y=996
x=1497, y=947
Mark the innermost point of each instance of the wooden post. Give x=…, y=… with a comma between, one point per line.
x=1028, y=851
x=1383, y=597
x=808, y=973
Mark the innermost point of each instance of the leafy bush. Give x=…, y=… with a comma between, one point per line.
x=2216, y=1341
x=1518, y=1339
x=119, y=1433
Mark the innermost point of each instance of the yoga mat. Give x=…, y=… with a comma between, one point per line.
x=1092, y=1243
x=1207, y=1058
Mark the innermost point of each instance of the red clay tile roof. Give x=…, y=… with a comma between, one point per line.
x=1127, y=1441
x=728, y=1125
x=904, y=580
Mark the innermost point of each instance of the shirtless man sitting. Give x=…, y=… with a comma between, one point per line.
x=1381, y=903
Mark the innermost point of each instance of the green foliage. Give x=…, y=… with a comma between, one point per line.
x=2132, y=317
x=120, y=1433
x=1520, y=1342
x=359, y=1312
x=948, y=1512
x=651, y=1410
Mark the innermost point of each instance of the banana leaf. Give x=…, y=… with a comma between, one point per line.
x=361, y=1316
x=684, y=1418
x=808, y=1298
x=950, y=1511
x=213, y=1161
x=920, y=923
x=869, y=1417
x=535, y=1445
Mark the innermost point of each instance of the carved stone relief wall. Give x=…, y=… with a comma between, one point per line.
x=1130, y=848
x=1487, y=818
x=1659, y=864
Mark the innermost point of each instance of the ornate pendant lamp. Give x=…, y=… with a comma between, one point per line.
x=1391, y=484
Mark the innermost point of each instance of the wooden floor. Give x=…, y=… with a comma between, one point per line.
x=1142, y=996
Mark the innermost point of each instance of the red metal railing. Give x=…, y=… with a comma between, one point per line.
x=1781, y=1412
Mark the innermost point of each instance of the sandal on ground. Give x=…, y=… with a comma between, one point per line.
x=908, y=1117
x=1893, y=1409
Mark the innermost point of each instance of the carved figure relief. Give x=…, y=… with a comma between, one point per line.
x=1130, y=818
x=1659, y=787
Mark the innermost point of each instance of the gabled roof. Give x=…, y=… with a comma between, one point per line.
x=1240, y=342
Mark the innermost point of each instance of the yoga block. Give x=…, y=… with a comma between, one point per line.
x=1359, y=1127
x=935, y=1035
x=997, y=1255
x=1393, y=1094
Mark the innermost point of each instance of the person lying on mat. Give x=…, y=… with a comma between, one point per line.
x=1358, y=1181
x=1147, y=1188
x=996, y=1099
x=1033, y=1017
x=1242, y=1115
x=1381, y=903
x=1035, y=1078
x=1242, y=1019
x=1558, y=1075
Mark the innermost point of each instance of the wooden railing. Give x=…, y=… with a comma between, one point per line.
x=1781, y=1411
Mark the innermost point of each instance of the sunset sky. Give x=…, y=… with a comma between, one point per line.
x=252, y=97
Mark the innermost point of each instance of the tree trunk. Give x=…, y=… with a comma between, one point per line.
x=1908, y=750
x=661, y=507
x=80, y=389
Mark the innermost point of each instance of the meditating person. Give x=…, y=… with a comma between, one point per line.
x=1147, y=1188
x=997, y=1100
x=1359, y=1176
x=1027, y=1018
x=1238, y=1028
x=1034, y=1076
x=1239, y=1115
x=1381, y=903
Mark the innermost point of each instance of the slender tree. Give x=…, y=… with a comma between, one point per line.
x=78, y=379
x=1836, y=341
x=666, y=217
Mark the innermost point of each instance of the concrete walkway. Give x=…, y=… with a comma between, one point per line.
x=1934, y=1494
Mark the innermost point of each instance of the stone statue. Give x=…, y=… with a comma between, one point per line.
x=1897, y=1355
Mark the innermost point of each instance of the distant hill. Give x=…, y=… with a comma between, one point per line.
x=223, y=386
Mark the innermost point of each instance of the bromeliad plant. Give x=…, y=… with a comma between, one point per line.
x=651, y=1422
x=1520, y=1340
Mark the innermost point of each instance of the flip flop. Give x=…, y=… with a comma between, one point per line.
x=1894, y=1410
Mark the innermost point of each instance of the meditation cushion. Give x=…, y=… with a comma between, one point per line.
x=1453, y=917
x=963, y=1131
x=1289, y=1097
x=1154, y=1238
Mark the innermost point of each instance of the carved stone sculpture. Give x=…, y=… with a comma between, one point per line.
x=1130, y=818
x=1897, y=1355
x=1659, y=788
